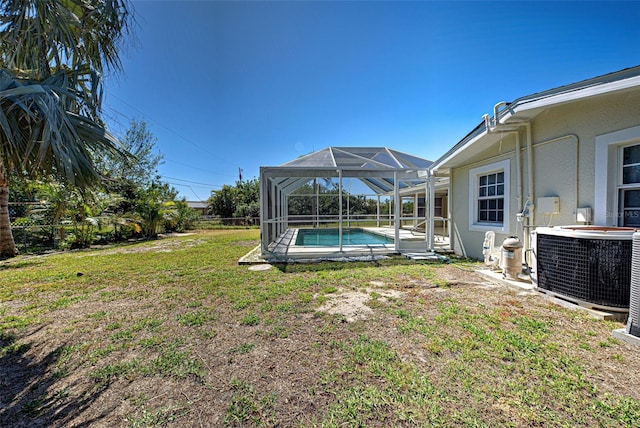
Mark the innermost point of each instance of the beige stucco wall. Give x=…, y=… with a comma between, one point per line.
x=563, y=164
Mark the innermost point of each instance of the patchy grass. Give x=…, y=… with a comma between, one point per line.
x=175, y=333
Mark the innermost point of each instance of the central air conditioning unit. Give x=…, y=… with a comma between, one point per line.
x=588, y=265
x=633, y=322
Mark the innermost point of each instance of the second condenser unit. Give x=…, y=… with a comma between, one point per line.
x=590, y=265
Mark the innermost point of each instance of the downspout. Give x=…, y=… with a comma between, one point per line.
x=531, y=195
x=518, y=173
x=491, y=127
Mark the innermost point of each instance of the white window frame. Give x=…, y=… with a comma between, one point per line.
x=474, y=176
x=608, y=173
x=620, y=185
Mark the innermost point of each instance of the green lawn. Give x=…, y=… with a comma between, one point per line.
x=175, y=333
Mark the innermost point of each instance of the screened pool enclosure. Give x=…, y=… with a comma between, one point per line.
x=347, y=201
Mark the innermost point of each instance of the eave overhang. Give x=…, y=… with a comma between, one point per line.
x=525, y=109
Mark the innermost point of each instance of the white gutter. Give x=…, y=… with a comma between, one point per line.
x=577, y=94
x=434, y=168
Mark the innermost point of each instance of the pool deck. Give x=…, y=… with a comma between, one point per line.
x=284, y=247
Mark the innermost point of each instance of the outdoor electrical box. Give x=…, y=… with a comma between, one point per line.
x=548, y=205
x=583, y=215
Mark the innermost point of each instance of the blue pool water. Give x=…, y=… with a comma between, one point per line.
x=331, y=237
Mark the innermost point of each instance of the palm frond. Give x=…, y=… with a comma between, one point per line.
x=41, y=132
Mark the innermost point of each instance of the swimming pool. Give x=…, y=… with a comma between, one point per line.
x=331, y=237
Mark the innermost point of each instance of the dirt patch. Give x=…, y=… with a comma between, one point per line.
x=353, y=304
x=160, y=246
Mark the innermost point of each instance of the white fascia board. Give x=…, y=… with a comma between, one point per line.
x=433, y=169
x=575, y=95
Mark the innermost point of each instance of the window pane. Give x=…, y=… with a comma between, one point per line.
x=632, y=218
x=492, y=204
x=501, y=204
x=632, y=198
x=500, y=189
x=491, y=191
x=492, y=179
x=483, y=205
x=501, y=177
x=631, y=155
x=492, y=216
x=482, y=216
x=631, y=174
x=500, y=216
x=483, y=191
x=483, y=180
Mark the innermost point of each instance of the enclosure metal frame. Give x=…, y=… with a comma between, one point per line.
x=385, y=171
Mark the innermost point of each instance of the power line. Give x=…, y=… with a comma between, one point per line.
x=189, y=187
x=173, y=132
x=191, y=182
x=200, y=169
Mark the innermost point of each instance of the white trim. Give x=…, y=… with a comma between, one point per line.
x=502, y=166
x=605, y=212
x=574, y=95
x=436, y=166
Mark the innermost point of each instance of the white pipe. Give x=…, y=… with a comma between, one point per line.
x=496, y=111
x=531, y=195
x=518, y=174
x=576, y=140
x=487, y=122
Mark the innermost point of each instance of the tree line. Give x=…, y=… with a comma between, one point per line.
x=243, y=201
x=131, y=200
x=54, y=143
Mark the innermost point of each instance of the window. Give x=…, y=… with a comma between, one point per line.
x=491, y=198
x=617, y=178
x=437, y=206
x=489, y=190
x=629, y=187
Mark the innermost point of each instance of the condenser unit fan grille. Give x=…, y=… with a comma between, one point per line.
x=596, y=271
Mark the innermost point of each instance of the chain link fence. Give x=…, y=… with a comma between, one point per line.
x=212, y=222
x=35, y=236
x=33, y=233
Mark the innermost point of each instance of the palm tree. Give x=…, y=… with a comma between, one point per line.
x=53, y=54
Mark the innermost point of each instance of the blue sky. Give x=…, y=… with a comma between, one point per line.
x=229, y=85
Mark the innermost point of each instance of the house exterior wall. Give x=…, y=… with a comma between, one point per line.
x=564, y=158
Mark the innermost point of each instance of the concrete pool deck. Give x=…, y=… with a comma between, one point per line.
x=284, y=248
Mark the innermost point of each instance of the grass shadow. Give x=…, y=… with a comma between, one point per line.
x=4, y=265
x=29, y=395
